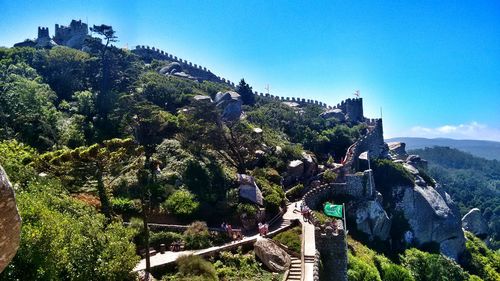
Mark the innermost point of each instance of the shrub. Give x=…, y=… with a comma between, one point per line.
x=164, y=237
x=197, y=236
x=361, y=271
x=268, y=173
x=390, y=271
x=273, y=194
x=291, y=239
x=239, y=266
x=195, y=266
x=483, y=262
x=426, y=177
x=432, y=267
x=249, y=209
x=125, y=206
x=181, y=203
x=295, y=191
x=329, y=176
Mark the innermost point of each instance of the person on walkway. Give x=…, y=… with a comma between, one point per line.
x=229, y=230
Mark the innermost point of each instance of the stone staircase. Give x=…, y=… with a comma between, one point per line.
x=284, y=223
x=295, y=271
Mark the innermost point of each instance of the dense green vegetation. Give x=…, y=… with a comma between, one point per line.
x=226, y=266
x=90, y=139
x=471, y=181
x=291, y=239
x=416, y=265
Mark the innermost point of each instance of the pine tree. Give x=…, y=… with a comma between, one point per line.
x=245, y=92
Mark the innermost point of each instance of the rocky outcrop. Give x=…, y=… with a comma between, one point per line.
x=432, y=217
x=231, y=103
x=10, y=222
x=333, y=113
x=372, y=220
x=397, y=150
x=295, y=168
x=249, y=190
x=275, y=258
x=310, y=165
x=474, y=222
x=171, y=68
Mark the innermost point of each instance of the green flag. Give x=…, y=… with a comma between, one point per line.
x=333, y=210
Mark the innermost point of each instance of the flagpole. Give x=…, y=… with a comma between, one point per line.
x=371, y=172
x=345, y=223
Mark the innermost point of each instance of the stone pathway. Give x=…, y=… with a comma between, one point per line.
x=170, y=257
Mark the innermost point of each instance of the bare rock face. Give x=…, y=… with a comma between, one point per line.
x=333, y=113
x=310, y=165
x=295, y=168
x=397, y=150
x=474, y=222
x=10, y=222
x=231, y=103
x=275, y=258
x=372, y=219
x=433, y=218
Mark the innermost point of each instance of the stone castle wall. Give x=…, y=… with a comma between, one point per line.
x=352, y=108
x=150, y=53
x=332, y=248
x=373, y=142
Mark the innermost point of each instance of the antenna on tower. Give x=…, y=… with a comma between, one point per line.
x=380, y=112
x=267, y=88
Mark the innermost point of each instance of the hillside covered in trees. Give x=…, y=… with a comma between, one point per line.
x=92, y=139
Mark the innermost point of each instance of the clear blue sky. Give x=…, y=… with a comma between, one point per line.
x=433, y=66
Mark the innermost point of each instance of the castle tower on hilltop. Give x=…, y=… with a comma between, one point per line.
x=354, y=110
x=73, y=35
x=43, y=32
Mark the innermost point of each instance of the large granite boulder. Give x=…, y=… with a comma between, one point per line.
x=333, y=113
x=432, y=217
x=372, y=219
x=10, y=222
x=275, y=258
x=397, y=150
x=171, y=68
x=474, y=222
x=249, y=190
x=310, y=165
x=231, y=103
x=295, y=168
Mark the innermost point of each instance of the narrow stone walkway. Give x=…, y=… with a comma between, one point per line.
x=170, y=257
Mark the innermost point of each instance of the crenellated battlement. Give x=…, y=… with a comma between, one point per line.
x=43, y=32
x=150, y=53
x=373, y=142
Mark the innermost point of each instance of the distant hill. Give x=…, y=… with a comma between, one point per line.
x=486, y=149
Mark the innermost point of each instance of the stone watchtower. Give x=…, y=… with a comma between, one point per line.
x=354, y=110
x=43, y=32
x=332, y=246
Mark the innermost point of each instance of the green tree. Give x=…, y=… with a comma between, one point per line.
x=98, y=164
x=245, y=91
x=65, y=239
x=27, y=111
x=103, y=101
x=65, y=70
x=181, y=203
